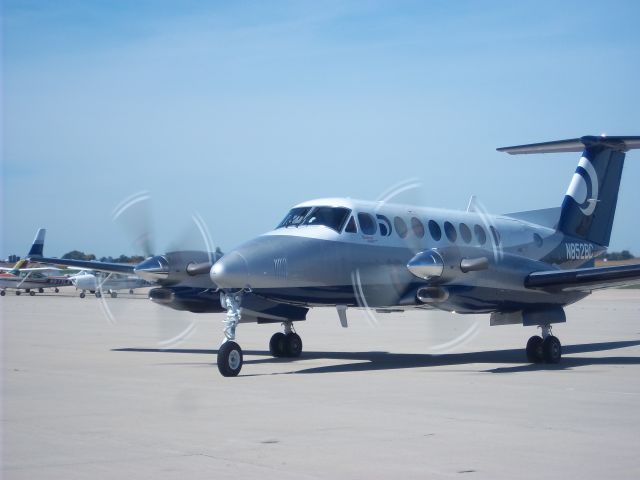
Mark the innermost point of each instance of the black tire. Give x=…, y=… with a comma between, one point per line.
x=114, y=294
x=277, y=343
x=41, y=290
x=229, y=359
x=32, y=293
x=98, y=295
x=2, y=293
x=552, y=349
x=131, y=291
x=534, y=349
x=82, y=295
x=18, y=292
x=292, y=345
x=57, y=290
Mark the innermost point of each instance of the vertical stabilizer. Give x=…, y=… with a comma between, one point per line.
x=589, y=205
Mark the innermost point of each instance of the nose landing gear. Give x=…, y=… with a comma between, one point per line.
x=230, y=354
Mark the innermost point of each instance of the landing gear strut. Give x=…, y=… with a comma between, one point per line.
x=287, y=344
x=545, y=348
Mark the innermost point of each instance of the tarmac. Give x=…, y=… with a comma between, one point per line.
x=123, y=388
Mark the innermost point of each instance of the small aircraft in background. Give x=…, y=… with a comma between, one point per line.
x=99, y=282
x=521, y=268
x=21, y=278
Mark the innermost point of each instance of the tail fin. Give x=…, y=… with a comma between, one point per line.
x=37, y=249
x=590, y=202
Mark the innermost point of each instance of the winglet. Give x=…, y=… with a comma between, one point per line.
x=37, y=248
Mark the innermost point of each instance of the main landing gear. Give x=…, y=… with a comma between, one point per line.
x=282, y=344
x=287, y=344
x=545, y=348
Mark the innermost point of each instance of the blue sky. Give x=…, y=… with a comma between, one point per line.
x=238, y=110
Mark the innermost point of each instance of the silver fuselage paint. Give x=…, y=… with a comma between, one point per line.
x=316, y=265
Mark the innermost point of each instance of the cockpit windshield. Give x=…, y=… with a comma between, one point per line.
x=332, y=217
x=295, y=217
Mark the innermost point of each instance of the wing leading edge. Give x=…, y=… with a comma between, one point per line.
x=585, y=279
x=88, y=264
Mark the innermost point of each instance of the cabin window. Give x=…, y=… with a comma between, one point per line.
x=351, y=226
x=450, y=232
x=481, y=236
x=417, y=227
x=332, y=217
x=367, y=223
x=434, y=230
x=384, y=225
x=401, y=227
x=465, y=233
x=295, y=217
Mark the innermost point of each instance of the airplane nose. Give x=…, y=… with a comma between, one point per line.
x=231, y=271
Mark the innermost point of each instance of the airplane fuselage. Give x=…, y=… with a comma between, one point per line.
x=359, y=258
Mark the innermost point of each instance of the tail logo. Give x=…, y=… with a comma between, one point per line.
x=584, y=187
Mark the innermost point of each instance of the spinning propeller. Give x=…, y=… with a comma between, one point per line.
x=179, y=277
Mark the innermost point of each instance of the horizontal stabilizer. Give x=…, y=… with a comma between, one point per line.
x=546, y=217
x=585, y=279
x=621, y=144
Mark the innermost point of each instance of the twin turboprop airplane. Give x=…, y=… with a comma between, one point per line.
x=520, y=268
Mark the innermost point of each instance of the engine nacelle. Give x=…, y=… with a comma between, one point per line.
x=444, y=264
x=196, y=300
x=173, y=268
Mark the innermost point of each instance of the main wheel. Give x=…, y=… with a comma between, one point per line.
x=276, y=344
x=57, y=290
x=551, y=349
x=82, y=295
x=229, y=359
x=98, y=295
x=32, y=293
x=131, y=291
x=534, y=349
x=41, y=290
x=2, y=293
x=114, y=294
x=18, y=292
x=292, y=344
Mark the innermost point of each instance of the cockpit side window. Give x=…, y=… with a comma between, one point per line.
x=332, y=217
x=295, y=217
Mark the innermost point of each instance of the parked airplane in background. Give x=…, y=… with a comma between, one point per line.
x=520, y=268
x=106, y=282
x=20, y=278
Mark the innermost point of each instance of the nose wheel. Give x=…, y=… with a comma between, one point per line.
x=545, y=348
x=229, y=359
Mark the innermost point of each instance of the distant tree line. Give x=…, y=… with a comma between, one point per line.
x=78, y=255
x=617, y=256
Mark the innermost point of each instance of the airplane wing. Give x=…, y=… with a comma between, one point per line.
x=88, y=264
x=32, y=269
x=585, y=279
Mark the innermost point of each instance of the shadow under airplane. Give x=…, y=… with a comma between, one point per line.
x=371, y=361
